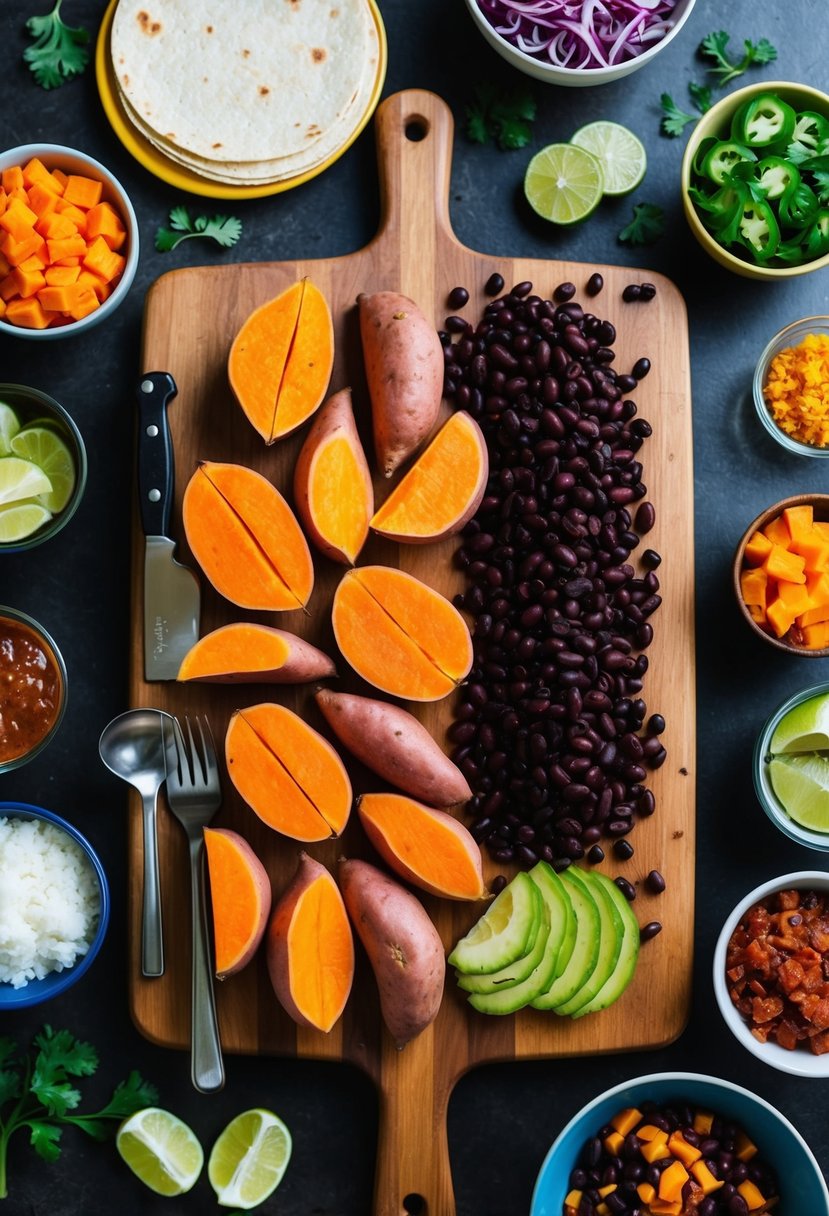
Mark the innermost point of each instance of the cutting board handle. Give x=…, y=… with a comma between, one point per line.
x=414, y=131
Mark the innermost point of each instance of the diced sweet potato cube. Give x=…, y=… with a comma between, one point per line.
x=649, y=1131
x=2, y=308
x=613, y=1143
x=816, y=637
x=604, y=1191
x=777, y=532
x=813, y=547
x=18, y=219
x=672, y=1180
x=779, y=617
x=13, y=178
x=87, y=279
x=646, y=1192
x=794, y=596
x=42, y=200
x=56, y=227
x=74, y=214
x=69, y=247
x=625, y=1120
x=83, y=191
x=757, y=614
x=572, y=1200
x=703, y=1122
x=813, y=616
x=799, y=521
x=34, y=262
x=8, y=287
x=61, y=276
x=701, y=1173
x=85, y=303
x=655, y=1150
x=28, y=282
x=752, y=1194
x=818, y=587
x=754, y=586
x=60, y=299
x=105, y=221
x=17, y=251
x=103, y=261
x=35, y=172
x=782, y=564
x=757, y=549
x=27, y=313
x=666, y=1207
x=682, y=1150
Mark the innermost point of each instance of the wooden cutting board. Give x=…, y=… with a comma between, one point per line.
x=191, y=318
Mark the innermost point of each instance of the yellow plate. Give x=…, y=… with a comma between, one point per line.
x=184, y=179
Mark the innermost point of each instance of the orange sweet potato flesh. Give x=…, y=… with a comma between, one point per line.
x=280, y=361
x=310, y=948
x=240, y=896
x=426, y=847
x=332, y=482
x=404, y=368
x=246, y=653
x=402, y=944
x=392, y=743
x=443, y=488
x=399, y=634
x=289, y=775
x=246, y=538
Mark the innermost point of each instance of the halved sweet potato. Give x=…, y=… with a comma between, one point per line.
x=240, y=896
x=281, y=359
x=245, y=653
x=287, y=773
x=310, y=948
x=428, y=848
x=399, y=634
x=443, y=488
x=332, y=483
x=246, y=538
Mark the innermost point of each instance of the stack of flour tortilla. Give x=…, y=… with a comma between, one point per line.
x=245, y=92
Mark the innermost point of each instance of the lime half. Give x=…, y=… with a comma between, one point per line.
x=805, y=728
x=161, y=1150
x=802, y=785
x=564, y=183
x=249, y=1158
x=9, y=426
x=620, y=153
x=21, y=479
x=21, y=519
x=49, y=452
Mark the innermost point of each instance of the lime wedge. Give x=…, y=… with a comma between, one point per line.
x=804, y=728
x=50, y=453
x=21, y=479
x=249, y=1158
x=9, y=426
x=160, y=1150
x=21, y=519
x=802, y=785
x=564, y=183
x=620, y=153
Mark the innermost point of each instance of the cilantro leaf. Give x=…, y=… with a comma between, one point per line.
x=715, y=46
x=61, y=1053
x=674, y=120
x=129, y=1096
x=58, y=52
x=505, y=118
x=701, y=96
x=225, y=230
x=647, y=225
x=44, y=1139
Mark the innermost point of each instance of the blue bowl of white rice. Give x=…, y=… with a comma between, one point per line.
x=54, y=905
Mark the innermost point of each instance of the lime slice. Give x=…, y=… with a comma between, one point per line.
x=50, y=453
x=249, y=1158
x=160, y=1150
x=21, y=479
x=620, y=153
x=804, y=728
x=9, y=426
x=563, y=183
x=802, y=785
x=21, y=519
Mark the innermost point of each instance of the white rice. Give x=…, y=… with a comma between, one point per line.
x=49, y=900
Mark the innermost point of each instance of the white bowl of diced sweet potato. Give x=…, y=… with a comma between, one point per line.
x=68, y=242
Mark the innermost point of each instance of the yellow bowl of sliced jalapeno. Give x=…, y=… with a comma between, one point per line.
x=755, y=180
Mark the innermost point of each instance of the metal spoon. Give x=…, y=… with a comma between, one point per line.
x=132, y=747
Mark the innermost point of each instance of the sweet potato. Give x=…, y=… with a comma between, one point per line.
x=245, y=653
x=404, y=368
x=402, y=944
x=240, y=896
x=392, y=743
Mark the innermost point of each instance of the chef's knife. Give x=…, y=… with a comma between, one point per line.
x=171, y=591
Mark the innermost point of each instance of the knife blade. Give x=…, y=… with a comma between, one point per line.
x=172, y=595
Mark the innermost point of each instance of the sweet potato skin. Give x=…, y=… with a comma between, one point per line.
x=403, y=946
x=392, y=743
x=404, y=368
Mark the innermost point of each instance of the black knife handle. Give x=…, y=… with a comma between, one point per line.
x=156, y=475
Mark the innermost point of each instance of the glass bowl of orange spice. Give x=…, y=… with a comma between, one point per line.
x=791, y=387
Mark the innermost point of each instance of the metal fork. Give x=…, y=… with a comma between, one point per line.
x=194, y=795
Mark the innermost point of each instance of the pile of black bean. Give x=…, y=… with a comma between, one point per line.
x=551, y=729
x=597, y=1167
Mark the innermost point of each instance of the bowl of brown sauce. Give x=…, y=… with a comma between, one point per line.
x=33, y=684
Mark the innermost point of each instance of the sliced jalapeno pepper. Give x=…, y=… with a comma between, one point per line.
x=721, y=159
x=723, y=209
x=764, y=121
x=758, y=230
x=792, y=252
x=776, y=176
x=810, y=129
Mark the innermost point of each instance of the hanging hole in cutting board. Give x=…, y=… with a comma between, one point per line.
x=416, y=129
x=414, y=1205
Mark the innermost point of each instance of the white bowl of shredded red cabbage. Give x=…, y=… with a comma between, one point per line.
x=579, y=42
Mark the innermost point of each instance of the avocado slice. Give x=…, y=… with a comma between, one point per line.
x=623, y=972
x=582, y=961
x=511, y=997
x=610, y=946
x=504, y=933
x=562, y=915
x=515, y=972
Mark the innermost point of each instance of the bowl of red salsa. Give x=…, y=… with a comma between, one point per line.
x=33, y=680
x=771, y=965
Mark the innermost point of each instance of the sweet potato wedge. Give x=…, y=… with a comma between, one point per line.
x=240, y=896
x=246, y=653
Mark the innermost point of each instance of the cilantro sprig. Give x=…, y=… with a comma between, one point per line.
x=675, y=120
x=59, y=50
x=38, y=1093
x=714, y=46
x=504, y=118
x=225, y=230
x=647, y=225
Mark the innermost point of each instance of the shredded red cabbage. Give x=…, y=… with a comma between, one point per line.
x=586, y=34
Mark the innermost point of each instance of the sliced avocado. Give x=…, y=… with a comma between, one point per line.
x=504, y=933
x=622, y=973
x=586, y=950
x=516, y=971
x=508, y=999
x=610, y=946
x=562, y=916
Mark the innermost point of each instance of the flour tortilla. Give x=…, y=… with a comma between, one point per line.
x=245, y=82
x=278, y=168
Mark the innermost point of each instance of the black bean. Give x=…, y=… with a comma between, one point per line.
x=655, y=882
x=647, y=291
x=623, y=849
x=564, y=292
x=595, y=855
x=645, y=517
x=457, y=297
x=494, y=284
x=627, y=889
x=640, y=368
x=656, y=724
x=594, y=284
x=651, y=929
x=632, y=292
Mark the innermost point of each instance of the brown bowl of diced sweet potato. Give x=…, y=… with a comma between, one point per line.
x=780, y=575
x=68, y=241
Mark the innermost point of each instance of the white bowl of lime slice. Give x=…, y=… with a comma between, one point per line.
x=791, y=767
